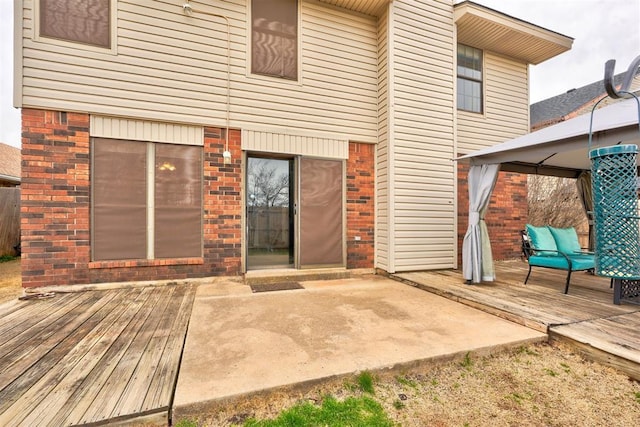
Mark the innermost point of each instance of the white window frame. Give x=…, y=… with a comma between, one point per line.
x=482, y=81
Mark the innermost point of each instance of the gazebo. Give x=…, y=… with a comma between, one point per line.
x=560, y=150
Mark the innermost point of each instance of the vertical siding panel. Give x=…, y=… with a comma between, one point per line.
x=423, y=179
x=382, y=217
x=140, y=130
x=273, y=142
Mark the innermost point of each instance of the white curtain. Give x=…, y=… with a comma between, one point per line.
x=586, y=197
x=477, y=261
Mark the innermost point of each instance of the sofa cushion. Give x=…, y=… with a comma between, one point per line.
x=566, y=239
x=541, y=239
x=578, y=262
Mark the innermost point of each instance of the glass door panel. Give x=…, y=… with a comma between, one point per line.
x=269, y=213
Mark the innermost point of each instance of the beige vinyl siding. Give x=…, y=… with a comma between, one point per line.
x=301, y=144
x=143, y=130
x=173, y=68
x=506, y=101
x=424, y=175
x=382, y=155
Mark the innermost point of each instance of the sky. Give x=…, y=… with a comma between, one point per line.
x=602, y=30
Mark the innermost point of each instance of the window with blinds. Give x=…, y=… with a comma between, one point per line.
x=81, y=21
x=146, y=200
x=274, y=38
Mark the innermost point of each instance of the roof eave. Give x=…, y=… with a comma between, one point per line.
x=488, y=29
x=367, y=7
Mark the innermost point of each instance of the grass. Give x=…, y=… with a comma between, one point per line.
x=467, y=363
x=405, y=381
x=476, y=388
x=7, y=258
x=186, y=423
x=352, y=412
x=551, y=372
x=365, y=382
x=398, y=404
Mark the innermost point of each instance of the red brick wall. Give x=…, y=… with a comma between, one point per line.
x=54, y=198
x=55, y=209
x=506, y=216
x=360, y=205
x=222, y=204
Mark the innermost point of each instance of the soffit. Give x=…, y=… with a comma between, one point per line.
x=487, y=29
x=368, y=7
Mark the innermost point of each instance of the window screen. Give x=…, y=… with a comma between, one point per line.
x=469, y=79
x=178, y=201
x=83, y=21
x=321, y=228
x=123, y=183
x=274, y=38
x=119, y=200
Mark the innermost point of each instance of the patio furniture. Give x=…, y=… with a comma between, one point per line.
x=556, y=248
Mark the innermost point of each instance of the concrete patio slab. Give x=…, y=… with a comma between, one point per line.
x=239, y=343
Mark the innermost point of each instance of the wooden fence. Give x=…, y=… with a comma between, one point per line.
x=268, y=227
x=9, y=219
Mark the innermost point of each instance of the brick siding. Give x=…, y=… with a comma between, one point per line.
x=360, y=205
x=506, y=216
x=55, y=209
x=54, y=198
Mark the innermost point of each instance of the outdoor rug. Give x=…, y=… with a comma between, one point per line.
x=280, y=286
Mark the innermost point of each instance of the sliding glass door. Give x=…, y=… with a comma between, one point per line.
x=295, y=213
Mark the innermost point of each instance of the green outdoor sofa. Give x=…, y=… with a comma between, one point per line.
x=556, y=248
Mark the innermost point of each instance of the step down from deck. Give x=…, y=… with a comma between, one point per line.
x=290, y=275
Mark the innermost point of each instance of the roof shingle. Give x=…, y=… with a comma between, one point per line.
x=10, y=160
x=551, y=110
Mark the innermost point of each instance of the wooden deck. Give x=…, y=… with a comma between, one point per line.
x=585, y=318
x=88, y=357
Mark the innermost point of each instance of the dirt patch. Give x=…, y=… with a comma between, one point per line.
x=10, y=280
x=539, y=385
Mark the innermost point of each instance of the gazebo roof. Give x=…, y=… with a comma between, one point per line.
x=563, y=149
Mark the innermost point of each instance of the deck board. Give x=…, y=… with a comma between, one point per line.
x=133, y=394
x=614, y=341
x=541, y=302
x=40, y=326
x=108, y=398
x=163, y=383
x=57, y=383
x=88, y=357
x=34, y=385
x=586, y=318
x=84, y=395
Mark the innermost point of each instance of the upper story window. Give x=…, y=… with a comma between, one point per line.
x=81, y=21
x=274, y=38
x=469, y=79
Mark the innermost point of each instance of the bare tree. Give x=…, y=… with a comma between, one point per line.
x=268, y=186
x=555, y=201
